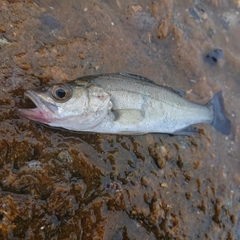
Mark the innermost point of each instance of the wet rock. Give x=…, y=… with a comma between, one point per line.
x=4, y=40
x=160, y=162
x=238, y=228
x=163, y=28
x=64, y=156
x=203, y=207
x=194, y=13
x=159, y=154
x=201, y=11
x=53, y=222
x=164, y=185
x=145, y=21
x=180, y=162
x=211, y=32
x=50, y=22
x=26, y=66
x=229, y=20
x=66, y=194
x=214, y=56
x=188, y=196
x=142, y=20
x=34, y=165
x=14, y=82
x=114, y=187
x=144, y=181
x=136, y=8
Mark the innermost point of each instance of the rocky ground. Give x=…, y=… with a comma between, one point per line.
x=56, y=184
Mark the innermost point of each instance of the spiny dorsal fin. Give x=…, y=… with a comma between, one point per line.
x=85, y=80
x=178, y=91
x=129, y=75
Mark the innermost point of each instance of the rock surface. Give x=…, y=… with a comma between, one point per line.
x=55, y=184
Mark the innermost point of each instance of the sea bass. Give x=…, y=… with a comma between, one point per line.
x=122, y=103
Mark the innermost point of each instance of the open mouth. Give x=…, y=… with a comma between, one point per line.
x=39, y=112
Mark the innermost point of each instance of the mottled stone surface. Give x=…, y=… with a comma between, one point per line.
x=56, y=184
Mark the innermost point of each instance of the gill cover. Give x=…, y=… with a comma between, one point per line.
x=97, y=108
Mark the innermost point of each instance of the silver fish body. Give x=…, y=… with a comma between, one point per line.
x=123, y=104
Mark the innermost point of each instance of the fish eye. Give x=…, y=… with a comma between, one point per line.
x=61, y=92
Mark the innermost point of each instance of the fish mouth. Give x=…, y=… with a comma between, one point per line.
x=41, y=113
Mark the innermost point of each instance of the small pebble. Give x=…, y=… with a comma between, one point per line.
x=50, y=22
x=164, y=185
x=161, y=162
x=114, y=187
x=214, y=56
x=194, y=14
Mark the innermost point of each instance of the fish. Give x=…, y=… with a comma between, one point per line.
x=122, y=103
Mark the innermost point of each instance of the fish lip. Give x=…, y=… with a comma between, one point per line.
x=41, y=112
x=39, y=102
x=34, y=98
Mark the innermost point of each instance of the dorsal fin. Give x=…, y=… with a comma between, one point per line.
x=180, y=92
x=85, y=80
x=129, y=75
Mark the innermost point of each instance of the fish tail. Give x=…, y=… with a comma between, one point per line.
x=220, y=122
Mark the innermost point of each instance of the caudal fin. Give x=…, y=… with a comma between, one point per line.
x=220, y=121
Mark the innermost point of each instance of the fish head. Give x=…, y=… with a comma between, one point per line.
x=70, y=106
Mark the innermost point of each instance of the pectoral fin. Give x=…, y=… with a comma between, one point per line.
x=128, y=116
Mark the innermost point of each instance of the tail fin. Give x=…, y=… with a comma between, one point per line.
x=220, y=121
